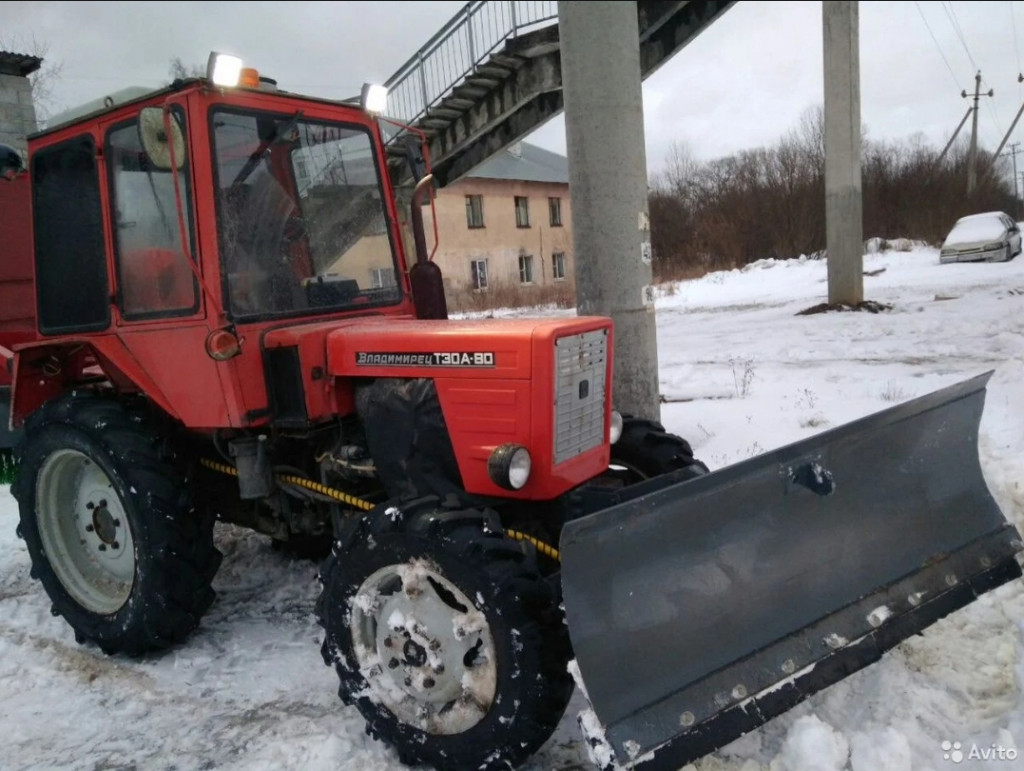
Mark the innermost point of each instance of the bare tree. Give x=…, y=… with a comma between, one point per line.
x=180, y=71
x=770, y=201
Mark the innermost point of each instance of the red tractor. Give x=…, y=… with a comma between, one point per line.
x=210, y=315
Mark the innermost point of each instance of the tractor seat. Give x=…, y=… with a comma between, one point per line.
x=156, y=280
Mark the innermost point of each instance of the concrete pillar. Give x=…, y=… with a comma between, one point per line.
x=844, y=225
x=17, y=109
x=604, y=126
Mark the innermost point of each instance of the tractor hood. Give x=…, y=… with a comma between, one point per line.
x=540, y=384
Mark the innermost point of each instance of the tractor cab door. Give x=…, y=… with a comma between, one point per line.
x=161, y=316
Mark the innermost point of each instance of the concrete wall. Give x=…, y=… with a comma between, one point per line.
x=17, y=112
x=500, y=241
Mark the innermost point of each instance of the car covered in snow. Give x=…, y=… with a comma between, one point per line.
x=992, y=236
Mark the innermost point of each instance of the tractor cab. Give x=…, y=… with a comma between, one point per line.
x=174, y=228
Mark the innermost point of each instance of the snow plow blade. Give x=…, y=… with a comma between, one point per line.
x=700, y=610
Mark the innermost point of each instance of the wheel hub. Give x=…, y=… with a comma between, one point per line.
x=104, y=523
x=415, y=654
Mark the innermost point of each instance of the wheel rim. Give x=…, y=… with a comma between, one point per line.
x=426, y=651
x=84, y=531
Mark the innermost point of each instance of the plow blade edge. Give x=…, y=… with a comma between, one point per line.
x=701, y=610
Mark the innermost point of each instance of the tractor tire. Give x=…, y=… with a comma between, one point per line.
x=444, y=636
x=646, y=450
x=107, y=517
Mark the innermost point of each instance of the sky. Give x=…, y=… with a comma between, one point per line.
x=742, y=84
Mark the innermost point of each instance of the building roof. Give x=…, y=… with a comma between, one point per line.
x=524, y=163
x=18, y=64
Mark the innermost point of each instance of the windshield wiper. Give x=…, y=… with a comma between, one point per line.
x=263, y=149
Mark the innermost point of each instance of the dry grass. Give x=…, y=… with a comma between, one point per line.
x=506, y=294
x=6, y=467
x=664, y=274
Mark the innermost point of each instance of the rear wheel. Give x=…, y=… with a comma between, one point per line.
x=646, y=450
x=110, y=527
x=445, y=636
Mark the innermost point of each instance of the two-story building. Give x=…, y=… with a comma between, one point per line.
x=507, y=224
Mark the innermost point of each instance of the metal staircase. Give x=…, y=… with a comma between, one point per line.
x=493, y=74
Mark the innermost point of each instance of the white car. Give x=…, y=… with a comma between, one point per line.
x=992, y=237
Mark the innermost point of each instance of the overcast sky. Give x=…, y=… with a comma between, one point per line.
x=743, y=83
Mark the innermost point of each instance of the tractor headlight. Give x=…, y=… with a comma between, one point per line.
x=993, y=247
x=615, y=429
x=223, y=69
x=509, y=466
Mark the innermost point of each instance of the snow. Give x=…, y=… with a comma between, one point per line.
x=741, y=374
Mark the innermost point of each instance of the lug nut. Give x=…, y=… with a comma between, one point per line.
x=393, y=664
x=117, y=523
x=90, y=505
x=388, y=642
x=439, y=669
x=103, y=503
x=103, y=547
x=435, y=645
x=428, y=682
x=89, y=528
x=408, y=682
x=115, y=545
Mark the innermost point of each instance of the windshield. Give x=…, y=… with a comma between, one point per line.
x=300, y=217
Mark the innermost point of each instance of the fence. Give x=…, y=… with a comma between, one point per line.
x=465, y=42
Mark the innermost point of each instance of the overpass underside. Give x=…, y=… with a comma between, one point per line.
x=517, y=86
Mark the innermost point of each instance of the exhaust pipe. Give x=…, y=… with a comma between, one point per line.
x=425, y=276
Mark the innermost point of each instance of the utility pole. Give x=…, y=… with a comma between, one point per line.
x=956, y=133
x=1017, y=213
x=972, y=172
x=1012, y=152
x=844, y=219
x=604, y=131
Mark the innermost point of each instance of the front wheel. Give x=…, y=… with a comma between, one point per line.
x=646, y=450
x=445, y=636
x=110, y=528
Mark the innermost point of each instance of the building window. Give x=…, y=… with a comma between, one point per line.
x=525, y=269
x=522, y=211
x=475, y=211
x=558, y=266
x=382, y=278
x=555, y=210
x=478, y=269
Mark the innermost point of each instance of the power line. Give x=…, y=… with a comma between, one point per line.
x=955, y=22
x=1016, y=49
x=995, y=119
x=951, y=15
x=936, y=41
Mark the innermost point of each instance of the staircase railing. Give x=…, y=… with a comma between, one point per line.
x=458, y=48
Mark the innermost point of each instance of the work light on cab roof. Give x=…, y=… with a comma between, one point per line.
x=223, y=69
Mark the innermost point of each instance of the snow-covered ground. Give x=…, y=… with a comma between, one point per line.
x=741, y=374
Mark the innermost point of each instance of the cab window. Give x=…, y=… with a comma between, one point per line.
x=155, y=278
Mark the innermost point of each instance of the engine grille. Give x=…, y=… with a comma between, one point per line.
x=580, y=365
